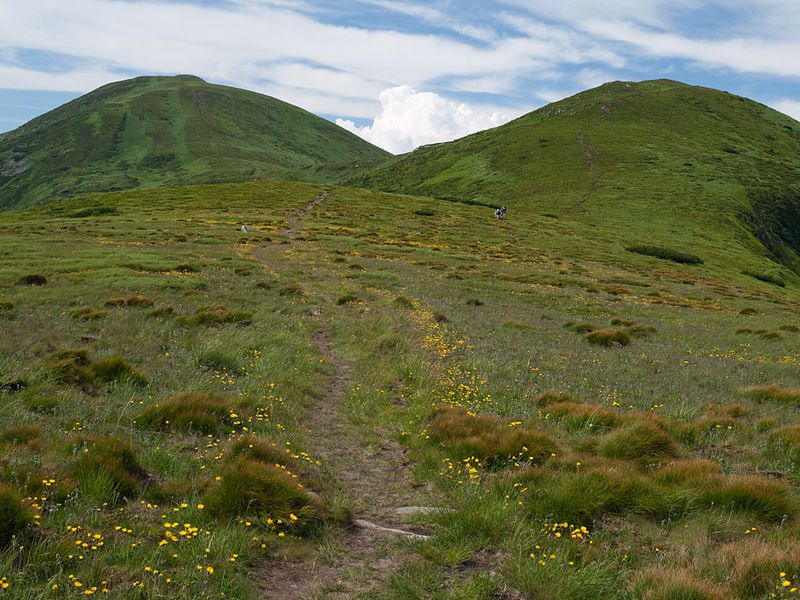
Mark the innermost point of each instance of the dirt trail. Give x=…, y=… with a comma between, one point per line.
x=375, y=482
x=588, y=157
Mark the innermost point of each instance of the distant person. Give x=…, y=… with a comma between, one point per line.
x=243, y=229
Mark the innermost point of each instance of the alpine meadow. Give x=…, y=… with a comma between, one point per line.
x=247, y=354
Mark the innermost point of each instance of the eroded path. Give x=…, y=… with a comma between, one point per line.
x=374, y=481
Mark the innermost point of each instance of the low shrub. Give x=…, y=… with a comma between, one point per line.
x=487, y=438
x=219, y=315
x=204, y=412
x=789, y=395
x=15, y=516
x=639, y=440
x=114, y=460
x=665, y=253
x=609, y=337
x=250, y=487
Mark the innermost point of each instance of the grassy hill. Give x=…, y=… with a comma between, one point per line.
x=655, y=161
x=156, y=131
x=191, y=412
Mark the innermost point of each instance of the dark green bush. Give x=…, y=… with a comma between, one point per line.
x=33, y=280
x=665, y=253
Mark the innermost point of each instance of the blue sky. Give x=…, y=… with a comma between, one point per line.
x=399, y=73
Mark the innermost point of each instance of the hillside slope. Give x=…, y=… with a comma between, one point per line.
x=656, y=159
x=154, y=131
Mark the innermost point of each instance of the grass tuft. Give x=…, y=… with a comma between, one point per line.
x=789, y=395
x=487, y=437
x=609, y=337
x=219, y=315
x=130, y=301
x=204, y=412
x=250, y=487
x=640, y=440
x=114, y=460
x=657, y=583
x=15, y=516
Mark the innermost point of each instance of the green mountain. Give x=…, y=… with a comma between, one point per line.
x=156, y=131
x=653, y=162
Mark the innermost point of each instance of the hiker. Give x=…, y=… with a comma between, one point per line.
x=243, y=229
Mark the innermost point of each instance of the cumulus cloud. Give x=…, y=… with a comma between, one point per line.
x=409, y=119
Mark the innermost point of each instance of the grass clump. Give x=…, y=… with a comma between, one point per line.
x=789, y=395
x=203, y=412
x=404, y=302
x=582, y=416
x=474, y=302
x=755, y=566
x=654, y=583
x=665, y=253
x=87, y=314
x=487, y=438
x=116, y=368
x=348, y=299
x=71, y=367
x=790, y=327
x=641, y=439
x=759, y=497
x=21, y=434
x=15, y=516
x=130, y=301
x=219, y=360
x=161, y=311
x=259, y=449
x=219, y=315
x=251, y=487
x=580, y=327
x=609, y=337
x=111, y=461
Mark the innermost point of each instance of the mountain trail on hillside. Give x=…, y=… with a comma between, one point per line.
x=375, y=482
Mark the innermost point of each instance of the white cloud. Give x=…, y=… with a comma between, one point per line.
x=788, y=107
x=409, y=119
